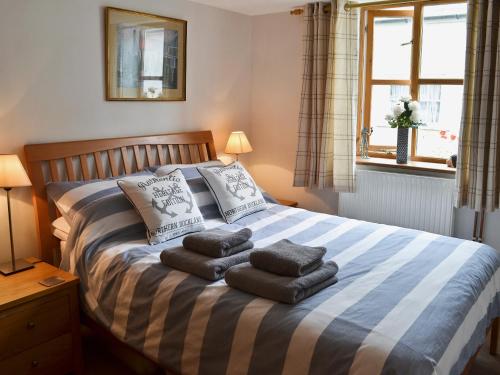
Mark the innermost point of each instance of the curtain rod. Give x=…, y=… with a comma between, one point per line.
x=299, y=11
x=352, y=5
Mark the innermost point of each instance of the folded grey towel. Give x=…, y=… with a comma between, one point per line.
x=281, y=288
x=218, y=243
x=201, y=265
x=287, y=258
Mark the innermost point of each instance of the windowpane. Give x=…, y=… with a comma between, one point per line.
x=443, y=41
x=392, y=48
x=153, y=52
x=384, y=97
x=441, y=111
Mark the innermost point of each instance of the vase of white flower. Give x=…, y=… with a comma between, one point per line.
x=405, y=115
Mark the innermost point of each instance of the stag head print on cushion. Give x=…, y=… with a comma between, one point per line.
x=234, y=190
x=166, y=205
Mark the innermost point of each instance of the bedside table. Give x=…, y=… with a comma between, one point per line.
x=286, y=202
x=39, y=325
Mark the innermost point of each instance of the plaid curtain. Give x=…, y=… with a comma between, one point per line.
x=478, y=177
x=326, y=140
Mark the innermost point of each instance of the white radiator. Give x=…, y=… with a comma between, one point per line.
x=418, y=202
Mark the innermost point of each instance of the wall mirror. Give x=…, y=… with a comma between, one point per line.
x=145, y=56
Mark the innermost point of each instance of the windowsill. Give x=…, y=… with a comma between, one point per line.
x=413, y=165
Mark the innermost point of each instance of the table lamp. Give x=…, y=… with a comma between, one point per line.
x=238, y=144
x=12, y=174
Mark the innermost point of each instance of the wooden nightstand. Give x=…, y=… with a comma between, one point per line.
x=286, y=202
x=39, y=326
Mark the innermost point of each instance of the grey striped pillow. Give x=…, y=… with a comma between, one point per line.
x=72, y=196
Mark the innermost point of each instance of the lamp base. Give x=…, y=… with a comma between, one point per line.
x=20, y=265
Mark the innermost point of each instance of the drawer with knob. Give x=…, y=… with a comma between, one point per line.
x=33, y=323
x=39, y=325
x=53, y=357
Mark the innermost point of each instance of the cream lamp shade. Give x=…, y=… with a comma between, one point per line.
x=238, y=144
x=12, y=175
x=12, y=172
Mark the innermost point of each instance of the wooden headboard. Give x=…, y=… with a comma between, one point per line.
x=103, y=158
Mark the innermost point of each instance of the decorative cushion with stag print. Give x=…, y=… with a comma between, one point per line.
x=234, y=190
x=166, y=205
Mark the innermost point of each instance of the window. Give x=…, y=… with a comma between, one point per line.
x=417, y=51
x=159, y=61
x=152, y=62
x=147, y=60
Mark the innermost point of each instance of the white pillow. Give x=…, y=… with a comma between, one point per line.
x=165, y=204
x=234, y=190
x=60, y=228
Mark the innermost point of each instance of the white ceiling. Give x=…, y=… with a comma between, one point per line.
x=254, y=7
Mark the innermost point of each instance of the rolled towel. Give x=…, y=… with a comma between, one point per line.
x=218, y=243
x=285, y=289
x=288, y=259
x=201, y=265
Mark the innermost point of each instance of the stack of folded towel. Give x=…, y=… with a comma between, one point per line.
x=209, y=254
x=284, y=271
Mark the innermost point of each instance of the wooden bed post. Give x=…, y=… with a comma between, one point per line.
x=47, y=243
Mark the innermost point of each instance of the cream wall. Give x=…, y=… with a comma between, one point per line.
x=276, y=86
x=52, y=82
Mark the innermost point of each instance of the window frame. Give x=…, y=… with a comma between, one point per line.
x=366, y=81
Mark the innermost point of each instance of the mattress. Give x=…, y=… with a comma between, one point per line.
x=406, y=302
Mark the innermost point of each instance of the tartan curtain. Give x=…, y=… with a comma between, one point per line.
x=478, y=177
x=326, y=139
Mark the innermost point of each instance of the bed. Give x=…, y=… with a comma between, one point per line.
x=406, y=302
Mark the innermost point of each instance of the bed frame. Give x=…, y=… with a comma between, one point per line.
x=111, y=157
x=103, y=158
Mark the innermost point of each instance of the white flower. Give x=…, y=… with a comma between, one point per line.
x=414, y=105
x=405, y=98
x=389, y=117
x=397, y=110
x=415, y=116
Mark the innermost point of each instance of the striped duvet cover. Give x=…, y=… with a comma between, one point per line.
x=406, y=302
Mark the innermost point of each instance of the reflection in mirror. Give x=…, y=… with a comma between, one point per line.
x=146, y=56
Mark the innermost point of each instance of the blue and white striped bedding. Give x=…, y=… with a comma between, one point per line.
x=406, y=302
